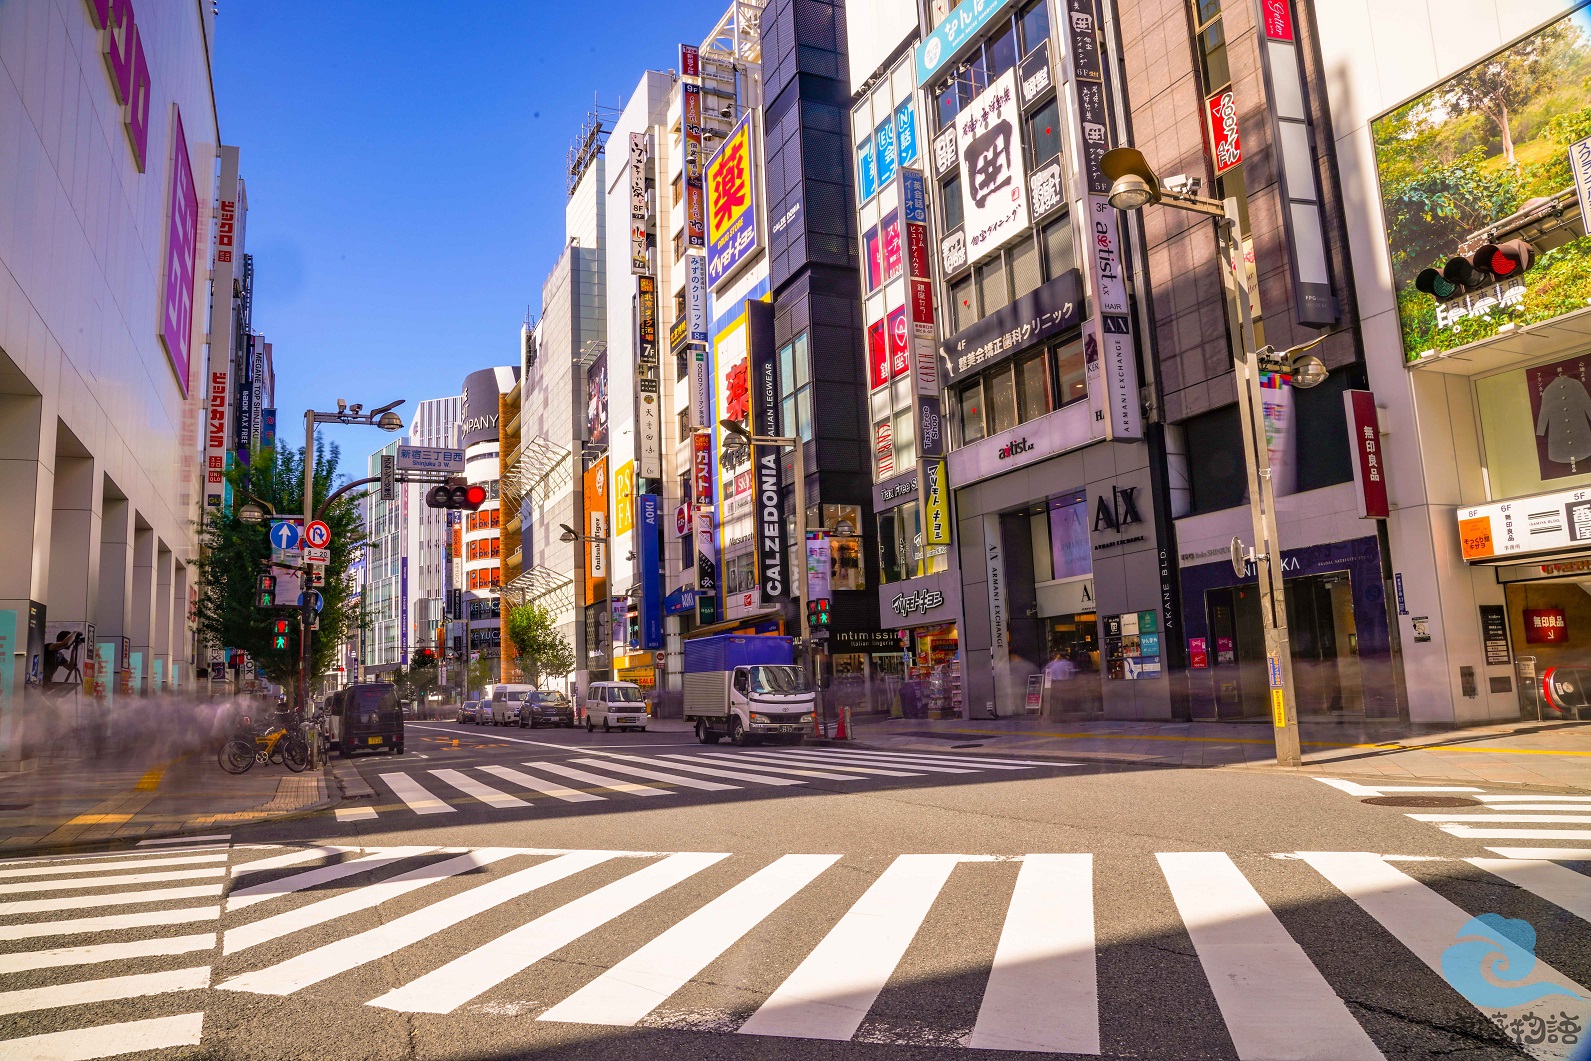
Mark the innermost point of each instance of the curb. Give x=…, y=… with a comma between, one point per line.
x=353, y=787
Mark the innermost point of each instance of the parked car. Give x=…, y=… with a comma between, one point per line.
x=545, y=708
x=610, y=704
x=501, y=708
x=365, y=717
x=468, y=711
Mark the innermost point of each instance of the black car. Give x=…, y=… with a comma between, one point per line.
x=552, y=709
x=365, y=717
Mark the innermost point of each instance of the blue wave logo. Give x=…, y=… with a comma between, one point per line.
x=1493, y=957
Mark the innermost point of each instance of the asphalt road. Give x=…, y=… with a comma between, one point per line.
x=548, y=894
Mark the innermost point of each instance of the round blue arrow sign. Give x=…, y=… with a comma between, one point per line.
x=284, y=535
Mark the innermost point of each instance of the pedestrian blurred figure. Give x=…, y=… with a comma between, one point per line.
x=910, y=699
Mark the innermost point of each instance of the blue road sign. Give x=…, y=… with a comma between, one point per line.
x=284, y=535
x=320, y=602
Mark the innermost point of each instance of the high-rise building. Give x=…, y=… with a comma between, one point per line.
x=480, y=538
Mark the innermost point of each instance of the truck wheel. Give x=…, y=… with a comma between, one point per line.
x=605, y=727
x=589, y=727
x=737, y=733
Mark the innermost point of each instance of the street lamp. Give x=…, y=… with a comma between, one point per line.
x=744, y=437
x=1134, y=185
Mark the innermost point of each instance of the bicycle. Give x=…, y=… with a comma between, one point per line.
x=276, y=744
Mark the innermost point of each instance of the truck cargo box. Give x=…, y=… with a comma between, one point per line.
x=725, y=652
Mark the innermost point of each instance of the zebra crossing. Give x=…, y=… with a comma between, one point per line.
x=606, y=775
x=640, y=930
x=1550, y=827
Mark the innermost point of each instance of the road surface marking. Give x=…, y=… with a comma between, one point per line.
x=1559, y=885
x=354, y=951
x=640, y=983
x=1354, y=788
x=779, y=758
x=110, y=922
x=1043, y=991
x=1516, y=834
x=411, y=792
x=99, y=867
x=1557, y=854
x=601, y=780
x=542, y=785
x=762, y=764
x=292, y=858
x=444, y=990
x=185, y=840
x=67, y=862
x=21, y=961
x=77, y=902
x=73, y=884
x=110, y=989
x=485, y=793
x=355, y=814
x=1540, y=806
x=109, y=1040
x=735, y=775
x=986, y=762
x=655, y=775
x=836, y=758
x=1522, y=818
x=829, y=994
x=258, y=893
x=361, y=899
x=1275, y=1003
x=1489, y=798
x=1429, y=925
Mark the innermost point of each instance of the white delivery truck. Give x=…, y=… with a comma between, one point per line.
x=746, y=687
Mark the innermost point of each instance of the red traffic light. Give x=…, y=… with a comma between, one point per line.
x=1505, y=259
x=471, y=496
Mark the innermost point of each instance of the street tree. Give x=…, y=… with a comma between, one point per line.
x=235, y=554
x=543, y=652
x=1500, y=87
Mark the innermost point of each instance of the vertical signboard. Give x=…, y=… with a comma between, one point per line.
x=936, y=504
x=702, y=468
x=1369, y=465
x=994, y=183
x=999, y=635
x=594, y=501
x=1226, y=149
x=218, y=392
x=773, y=549
x=695, y=298
x=701, y=390
x=706, y=567
x=640, y=211
x=695, y=205
x=690, y=63
x=648, y=428
x=649, y=553
x=733, y=231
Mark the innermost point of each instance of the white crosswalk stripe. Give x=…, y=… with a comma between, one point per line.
x=256, y=893
x=657, y=775
x=109, y=1040
x=485, y=793
x=20, y=961
x=415, y=795
x=588, y=777
x=685, y=763
x=1494, y=815
x=542, y=785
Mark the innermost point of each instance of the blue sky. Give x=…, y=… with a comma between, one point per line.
x=405, y=164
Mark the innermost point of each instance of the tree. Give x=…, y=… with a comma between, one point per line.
x=543, y=652
x=235, y=554
x=1501, y=86
x=416, y=681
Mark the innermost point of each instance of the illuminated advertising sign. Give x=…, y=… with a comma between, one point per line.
x=732, y=223
x=182, y=233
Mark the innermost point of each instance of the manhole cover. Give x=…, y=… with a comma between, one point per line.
x=966, y=745
x=1422, y=801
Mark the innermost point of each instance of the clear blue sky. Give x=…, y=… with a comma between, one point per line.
x=405, y=164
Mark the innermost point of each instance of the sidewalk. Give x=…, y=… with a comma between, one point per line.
x=1548, y=754
x=98, y=800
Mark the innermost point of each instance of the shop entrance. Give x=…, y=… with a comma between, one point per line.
x=1549, y=624
x=1325, y=644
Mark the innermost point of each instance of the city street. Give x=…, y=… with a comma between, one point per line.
x=549, y=893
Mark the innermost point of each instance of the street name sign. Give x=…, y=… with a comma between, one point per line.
x=430, y=459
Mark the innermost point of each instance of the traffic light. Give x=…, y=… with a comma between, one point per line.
x=818, y=612
x=281, y=635
x=1491, y=264
x=469, y=496
x=265, y=591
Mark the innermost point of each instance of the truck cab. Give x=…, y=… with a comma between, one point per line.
x=747, y=688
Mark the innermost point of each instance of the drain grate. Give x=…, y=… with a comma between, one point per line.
x=1422, y=801
x=966, y=745
x=931, y=734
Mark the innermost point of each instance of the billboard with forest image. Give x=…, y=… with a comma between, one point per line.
x=1484, y=145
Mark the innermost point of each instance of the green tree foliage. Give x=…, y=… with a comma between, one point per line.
x=1503, y=85
x=543, y=651
x=418, y=679
x=235, y=554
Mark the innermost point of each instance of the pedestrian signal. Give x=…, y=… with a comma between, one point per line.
x=281, y=634
x=818, y=611
x=265, y=591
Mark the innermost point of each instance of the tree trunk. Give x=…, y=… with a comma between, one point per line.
x=1508, y=136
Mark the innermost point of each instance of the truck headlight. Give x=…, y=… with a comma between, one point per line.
x=761, y=719
x=806, y=718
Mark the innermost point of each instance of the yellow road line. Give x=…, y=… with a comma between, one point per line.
x=1390, y=746
x=151, y=781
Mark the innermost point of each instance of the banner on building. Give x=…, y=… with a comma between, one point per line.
x=820, y=585
x=695, y=199
x=706, y=567
x=218, y=393
x=773, y=546
x=648, y=428
x=1369, y=461
x=702, y=468
x=994, y=185
x=594, y=503
x=624, y=499
x=695, y=298
x=178, y=271
x=936, y=504
x=733, y=225
x=690, y=63
x=701, y=390
x=646, y=320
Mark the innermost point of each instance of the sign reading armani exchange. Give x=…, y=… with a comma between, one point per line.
x=1047, y=311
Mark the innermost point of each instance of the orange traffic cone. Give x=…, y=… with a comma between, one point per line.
x=841, y=731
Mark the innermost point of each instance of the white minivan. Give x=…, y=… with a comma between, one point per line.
x=613, y=704
x=501, y=707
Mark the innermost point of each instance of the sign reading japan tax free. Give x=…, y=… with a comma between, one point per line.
x=430, y=459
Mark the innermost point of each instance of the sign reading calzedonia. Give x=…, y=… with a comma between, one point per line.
x=1544, y=523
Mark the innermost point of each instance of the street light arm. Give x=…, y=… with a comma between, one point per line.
x=1193, y=204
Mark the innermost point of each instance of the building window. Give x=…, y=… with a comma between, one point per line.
x=1071, y=374
x=1035, y=20
x=1025, y=272
x=950, y=202
x=1000, y=386
x=1059, y=255
x=1033, y=386
x=970, y=399
x=964, y=303
x=994, y=292
x=795, y=406
x=1044, y=133
x=1001, y=51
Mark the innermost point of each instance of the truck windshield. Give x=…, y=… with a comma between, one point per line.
x=777, y=681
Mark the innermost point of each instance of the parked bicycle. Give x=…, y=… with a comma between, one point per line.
x=275, y=743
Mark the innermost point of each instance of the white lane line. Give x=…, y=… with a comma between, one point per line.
x=542, y=785
x=762, y=764
x=107, y=990
x=258, y=893
x=292, y=858
x=354, y=951
x=778, y=759
x=109, y=1040
x=656, y=775
x=360, y=899
x=1538, y=806
x=185, y=840
x=485, y=793
x=68, y=861
x=355, y=814
x=909, y=759
x=1043, y=988
x=1428, y=924
x=98, y=867
x=444, y=990
x=1516, y=834
x=414, y=794
x=59, y=957
x=1559, y=885
x=1354, y=788
x=640, y=983
x=734, y=775
x=72, y=884
x=601, y=780
x=76, y=902
x=560, y=747
x=110, y=922
x=1527, y=819
x=1556, y=854
x=1274, y=1001
x=829, y=994
x=835, y=758
x=1489, y=798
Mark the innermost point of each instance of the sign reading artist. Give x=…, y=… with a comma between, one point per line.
x=1044, y=312
x=994, y=197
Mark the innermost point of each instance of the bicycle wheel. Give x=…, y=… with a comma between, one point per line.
x=295, y=753
x=237, y=756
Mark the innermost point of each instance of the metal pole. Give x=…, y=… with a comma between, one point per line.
x=1262, y=498
x=306, y=587
x=802, y=612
